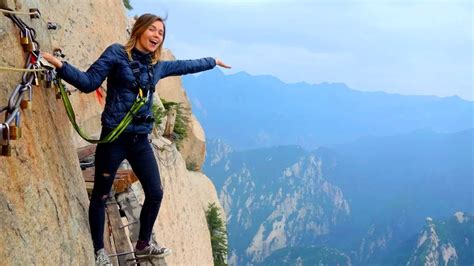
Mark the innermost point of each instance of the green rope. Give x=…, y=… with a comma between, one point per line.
x=139, y=102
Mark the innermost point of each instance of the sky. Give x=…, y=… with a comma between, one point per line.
x=410, y=47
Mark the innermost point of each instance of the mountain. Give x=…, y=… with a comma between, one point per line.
x=307, y=256
x=448, y=242
x=260, y=111
x=274, y=198
x=368, y=197
x=394, y=182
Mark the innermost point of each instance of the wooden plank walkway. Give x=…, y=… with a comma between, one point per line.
x=123, y=179
x=121, y=240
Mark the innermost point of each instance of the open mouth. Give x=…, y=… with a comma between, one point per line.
x=154, y=42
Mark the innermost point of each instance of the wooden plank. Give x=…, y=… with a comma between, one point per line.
x=89, y=187
x=121, y=181
x=122, y=242
x=124, y=179
x=109, y=244
x=170, y=122
x=86, y=151
x=129, y=204
x=89, y=174
x=127, y=175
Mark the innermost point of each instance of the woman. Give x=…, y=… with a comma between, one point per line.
x=127, y=69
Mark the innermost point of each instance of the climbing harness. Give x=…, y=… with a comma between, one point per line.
x=141, y=99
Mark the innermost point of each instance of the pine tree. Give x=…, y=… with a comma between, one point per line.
x=127, y=4
x=218, y=235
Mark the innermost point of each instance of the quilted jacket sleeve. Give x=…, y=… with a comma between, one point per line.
x=90, y=80
x=183, y=67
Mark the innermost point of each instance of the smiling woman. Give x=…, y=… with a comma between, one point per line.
x=132, y=71
x=148, y=36
x=151, y=38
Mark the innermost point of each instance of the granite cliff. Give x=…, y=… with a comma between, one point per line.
x=43, y=199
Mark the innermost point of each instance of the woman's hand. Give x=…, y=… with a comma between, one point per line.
x=221, y=64
x=51, y=59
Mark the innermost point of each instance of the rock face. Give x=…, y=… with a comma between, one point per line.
x=43, y=200
x=194, y=146
x=446, y=242
x=182, y=222
x=275, y=198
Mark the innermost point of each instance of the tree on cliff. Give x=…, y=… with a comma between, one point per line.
x=127, y=4
x=218, y=235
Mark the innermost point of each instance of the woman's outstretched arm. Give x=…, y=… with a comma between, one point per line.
x=183, y=67
x=91, y=79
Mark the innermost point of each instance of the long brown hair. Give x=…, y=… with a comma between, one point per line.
x=140, y=26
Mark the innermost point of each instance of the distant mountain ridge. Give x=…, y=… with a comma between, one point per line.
x=257, y=111
x=363, y=169
x=274, y=198
x=382, y=190
x=307, y=256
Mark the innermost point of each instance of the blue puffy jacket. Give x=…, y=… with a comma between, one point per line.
x=114, y=65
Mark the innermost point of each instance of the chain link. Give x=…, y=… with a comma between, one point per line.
x=23, y=89
x=167, y=154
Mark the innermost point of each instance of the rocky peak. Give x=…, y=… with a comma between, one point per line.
x=444, y=242
x=276, y=197
x=461, y=218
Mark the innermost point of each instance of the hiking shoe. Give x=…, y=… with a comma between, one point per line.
x=152, y=251
x=101, y=258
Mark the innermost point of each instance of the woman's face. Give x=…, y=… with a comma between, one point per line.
x=151, y=39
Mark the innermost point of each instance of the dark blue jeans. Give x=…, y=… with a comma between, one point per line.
x=138, y=151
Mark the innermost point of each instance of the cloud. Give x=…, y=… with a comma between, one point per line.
x=408, y=75
x=268, y=58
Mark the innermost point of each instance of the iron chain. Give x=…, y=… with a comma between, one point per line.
x=22, y=90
